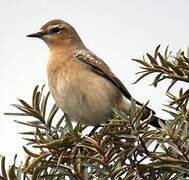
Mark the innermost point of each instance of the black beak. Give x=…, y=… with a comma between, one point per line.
x=37, y=35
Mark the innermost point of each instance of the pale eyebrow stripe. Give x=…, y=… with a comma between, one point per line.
x=54, y=26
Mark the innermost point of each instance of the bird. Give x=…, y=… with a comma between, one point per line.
x=81, y=83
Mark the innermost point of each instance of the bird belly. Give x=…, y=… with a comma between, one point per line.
x=86, y=97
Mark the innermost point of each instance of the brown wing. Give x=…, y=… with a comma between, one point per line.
x=99, y=66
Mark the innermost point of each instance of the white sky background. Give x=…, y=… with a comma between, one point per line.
x=116, y=30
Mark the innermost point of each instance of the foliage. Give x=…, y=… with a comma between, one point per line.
x=123, y=148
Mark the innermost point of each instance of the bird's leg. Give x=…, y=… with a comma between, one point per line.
x=94, y=129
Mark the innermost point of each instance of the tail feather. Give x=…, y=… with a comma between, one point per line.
x=154, y=120
x=126, y=104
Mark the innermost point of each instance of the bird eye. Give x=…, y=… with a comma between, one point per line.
x=55, y=30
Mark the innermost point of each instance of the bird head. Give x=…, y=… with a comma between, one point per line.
x=57, y=33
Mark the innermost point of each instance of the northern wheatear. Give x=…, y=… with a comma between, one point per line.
x=81, y=83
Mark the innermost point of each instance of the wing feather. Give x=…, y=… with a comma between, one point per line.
x=100, y=67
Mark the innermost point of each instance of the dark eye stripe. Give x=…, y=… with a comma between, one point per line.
x=55, y=30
